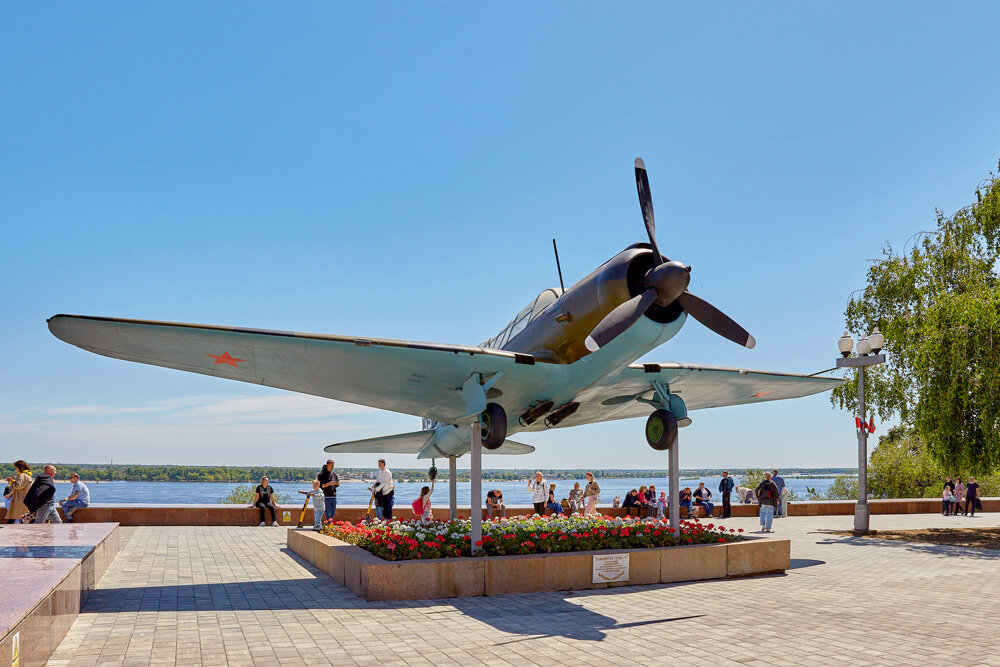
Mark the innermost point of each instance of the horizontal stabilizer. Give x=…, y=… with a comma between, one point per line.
x=414, y=443
x=403, y=443
x=510, y=447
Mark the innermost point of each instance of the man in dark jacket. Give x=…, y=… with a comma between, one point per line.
x=768, y=498
x=971, y=495
x=631, y=500
x=40, y=498
x=726, y=488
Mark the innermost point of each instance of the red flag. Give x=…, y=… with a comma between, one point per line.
x=857, y=423
x=871, y=425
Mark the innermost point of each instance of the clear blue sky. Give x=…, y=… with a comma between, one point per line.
x=398, y=170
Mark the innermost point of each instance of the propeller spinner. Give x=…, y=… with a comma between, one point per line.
x=665, y=283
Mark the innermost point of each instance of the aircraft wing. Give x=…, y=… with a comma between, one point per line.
x=422, y=379
x=700, y=387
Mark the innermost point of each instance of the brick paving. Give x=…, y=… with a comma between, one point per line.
x=236, y=595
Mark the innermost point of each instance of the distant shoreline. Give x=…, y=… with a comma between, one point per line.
x=441, y=476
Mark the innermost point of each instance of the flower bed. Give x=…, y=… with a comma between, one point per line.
x=409, y=540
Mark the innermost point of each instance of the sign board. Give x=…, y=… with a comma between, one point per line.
x=15, y=659
x=286, y=517
x=610, y=568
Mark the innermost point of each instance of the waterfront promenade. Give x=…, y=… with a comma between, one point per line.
x=236, y=595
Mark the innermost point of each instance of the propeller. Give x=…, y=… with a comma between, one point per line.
x=665, y=283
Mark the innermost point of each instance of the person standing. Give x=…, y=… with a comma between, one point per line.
x=328, y=481
x=959, y=495
x=950, y=484
x=264, y=499
x=767, y=497
x=319, y=504
x=41, y=497
x=946, y=499
x=590, y=494
x=779, y=482
x=19, y=486
x=539, y=493
x=385, y=491
x=725, y=489
x=78, y=497
x=971, y=495
x=426, y=512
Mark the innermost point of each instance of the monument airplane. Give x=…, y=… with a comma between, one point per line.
x=565, y=360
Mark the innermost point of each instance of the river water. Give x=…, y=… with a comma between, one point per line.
x=356, y=493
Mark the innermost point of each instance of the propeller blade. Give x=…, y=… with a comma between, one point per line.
x=618, y=320
x=715, y=319
x=646, y=204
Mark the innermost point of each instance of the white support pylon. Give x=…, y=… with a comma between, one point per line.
x=675, y=491
x=476, y=512
x=452, y=489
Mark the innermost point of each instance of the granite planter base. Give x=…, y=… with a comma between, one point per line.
x=46, y=572
x=372, y=578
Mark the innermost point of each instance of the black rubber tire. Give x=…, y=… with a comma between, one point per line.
x=661, y=430
x=494, y=429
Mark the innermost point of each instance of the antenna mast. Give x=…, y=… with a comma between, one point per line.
x=558, y=268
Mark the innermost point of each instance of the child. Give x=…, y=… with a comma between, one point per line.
x=426, y=515
x=946, y=500
x=661, y=504
x=318, y=504
x=552, y=505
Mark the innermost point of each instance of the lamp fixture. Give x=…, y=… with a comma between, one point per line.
x=845, y=344
x=876, y=340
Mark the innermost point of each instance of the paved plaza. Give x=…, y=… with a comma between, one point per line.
x=236, y=595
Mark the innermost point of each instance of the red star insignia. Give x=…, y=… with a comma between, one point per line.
x=759, y=394
x=224, y=358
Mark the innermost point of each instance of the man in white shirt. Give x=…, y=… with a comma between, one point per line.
x=384, y=492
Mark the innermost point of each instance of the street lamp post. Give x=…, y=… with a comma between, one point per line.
x=869, y=354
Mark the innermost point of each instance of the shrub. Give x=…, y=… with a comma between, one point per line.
x=243, y=494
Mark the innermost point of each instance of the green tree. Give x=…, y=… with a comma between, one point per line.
x=938, y=304
x=844, y=487
x=901, y=466
x=243, y=494
x=750, y=478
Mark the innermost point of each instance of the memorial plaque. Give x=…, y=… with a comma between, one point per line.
x=610, y=568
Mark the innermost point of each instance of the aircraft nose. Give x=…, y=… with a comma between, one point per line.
x=669, y=280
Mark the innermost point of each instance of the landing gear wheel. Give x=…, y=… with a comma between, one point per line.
x=661, y=430
x=494, y=426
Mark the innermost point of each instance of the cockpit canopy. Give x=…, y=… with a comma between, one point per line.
x=528, y=313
